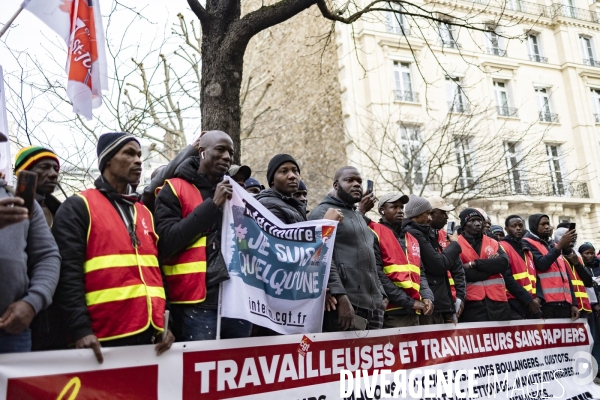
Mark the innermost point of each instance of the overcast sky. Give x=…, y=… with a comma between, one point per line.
x=29, y=35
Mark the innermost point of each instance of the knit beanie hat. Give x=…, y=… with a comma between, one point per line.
x=586, y=246
x=497, y=229
x=28, y=156
x=109, y=144
x=416, y=206
x=559, y=233
x=468, y=213
x=275, y=162
x=301, y=185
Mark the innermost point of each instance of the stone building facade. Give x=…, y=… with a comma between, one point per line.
x=536, y=80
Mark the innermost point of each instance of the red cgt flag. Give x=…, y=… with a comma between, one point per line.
x=79, y=23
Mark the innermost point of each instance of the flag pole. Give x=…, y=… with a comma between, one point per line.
x=10, y=21
x=219, y=311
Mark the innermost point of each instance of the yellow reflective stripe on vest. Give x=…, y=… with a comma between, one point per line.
x=408, y=285
x=123, y=260
x=451, y=281
x=199, y=243
x=521, y=275
x=187, y=268
x=577, y=282
x=390, y=269
x=123, y=293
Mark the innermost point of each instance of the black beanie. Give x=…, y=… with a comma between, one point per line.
x=275, y=162
x=586, y=246
x=109, y=144
x=468, y=213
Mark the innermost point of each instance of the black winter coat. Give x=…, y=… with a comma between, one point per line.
x=437, y=265
x=177, y=233
x=287, y=209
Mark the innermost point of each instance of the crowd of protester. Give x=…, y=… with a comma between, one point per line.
x=91, y=272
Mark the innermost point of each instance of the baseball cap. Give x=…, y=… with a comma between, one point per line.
x=439, y=203
x=251, y=182
x=244, y=170
x=392, y=197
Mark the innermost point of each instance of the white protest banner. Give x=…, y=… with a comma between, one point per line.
x=514, y=360
x=278, y=272
x=5, y=166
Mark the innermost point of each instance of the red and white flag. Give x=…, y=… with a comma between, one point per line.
x=79, y=23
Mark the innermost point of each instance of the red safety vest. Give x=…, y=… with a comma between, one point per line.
x=404, y=269
x=494, y=287
x=124, y=290
x=443, y=242
x=554, y=281
x=523, y=270
x=186, y=273
x=583, y=301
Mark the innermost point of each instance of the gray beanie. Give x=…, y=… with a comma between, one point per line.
x=416, y=206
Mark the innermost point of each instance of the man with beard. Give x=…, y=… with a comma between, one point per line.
x=188, y=215
x=354, y=278
x=110, y=284
x=446, y=290
x=551, y=268
x=485, y=263
x=437, y=264
x=524, y=297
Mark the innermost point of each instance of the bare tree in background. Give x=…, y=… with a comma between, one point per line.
x=465, y=157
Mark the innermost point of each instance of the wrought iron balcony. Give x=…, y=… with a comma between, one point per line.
x=539, y=188
x=548, y=116
x=505, y=111
x=528, y=8
x=458, y=107
x=538, y=58
x=397, y=29
x=597, y=116
x=453, y=44
x=561, y=10
x=403, y=95
x=591, y=62
x=497, y=51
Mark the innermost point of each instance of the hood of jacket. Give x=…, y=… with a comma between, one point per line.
x=534, y=220
x=188, y=170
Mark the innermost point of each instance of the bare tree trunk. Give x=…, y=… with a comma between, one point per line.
x=222, y=68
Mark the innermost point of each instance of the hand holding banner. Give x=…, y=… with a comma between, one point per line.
x=278, y=272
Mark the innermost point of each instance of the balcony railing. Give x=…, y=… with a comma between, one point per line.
x=540, y=187
x=453, y=44
x=456, y=107
x=505, y=111
x=496, y=51
x=397, y=29
x=548, y=117
x=597, y=116
x=561, y=10
x=591, y=62
x=403, y=95
x=538, y=58
x=528, y=8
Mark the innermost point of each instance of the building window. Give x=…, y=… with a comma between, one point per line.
x=557, y=179
x=596, y=104
x=534, y=46
x=396, y=22
x=512, y=154
x=457, y=101
x=502, y=100
x=544, y=109
x=448, y=35
x=402, y=79
x=494, y=41
x=588, y=51
x=568, y=9
x=515, y=5
x=413, y=163
x=464, y=162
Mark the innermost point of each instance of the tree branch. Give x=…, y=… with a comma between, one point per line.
x=200, y=11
